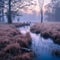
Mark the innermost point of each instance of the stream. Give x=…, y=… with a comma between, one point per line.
x=43, y=48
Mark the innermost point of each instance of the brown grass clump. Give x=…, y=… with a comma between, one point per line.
x=48, y=30
x=11, y=42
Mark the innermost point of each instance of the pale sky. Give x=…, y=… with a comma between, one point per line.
x=35, y=8
x=46, y=1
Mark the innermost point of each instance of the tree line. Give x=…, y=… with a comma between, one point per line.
x=53, y=10
x=12, y=7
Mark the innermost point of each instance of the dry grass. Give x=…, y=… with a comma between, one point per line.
x=11, y=40
x=48, y=30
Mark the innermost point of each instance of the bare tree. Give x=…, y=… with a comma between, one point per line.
x=41, y=2
x=9, y=12
x=15, y=6
x=9, y=9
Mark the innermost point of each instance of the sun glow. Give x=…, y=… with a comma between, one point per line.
x=34, y=8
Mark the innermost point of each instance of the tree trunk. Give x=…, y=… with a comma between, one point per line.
x=41, y=15
x=9, y=12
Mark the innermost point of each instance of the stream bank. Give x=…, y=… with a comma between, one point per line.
x=44, y=49
x=48, y=30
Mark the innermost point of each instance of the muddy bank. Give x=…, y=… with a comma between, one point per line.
x=48, y=30
x=13, y=44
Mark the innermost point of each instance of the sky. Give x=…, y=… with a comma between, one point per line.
x=34, y=6
x=46, y=1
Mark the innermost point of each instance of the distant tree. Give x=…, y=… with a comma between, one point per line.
x=53, y=10
x=57, y=11
x=56, y=8
x=1, y=10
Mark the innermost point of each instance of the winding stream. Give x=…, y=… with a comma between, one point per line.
x=43, y=48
